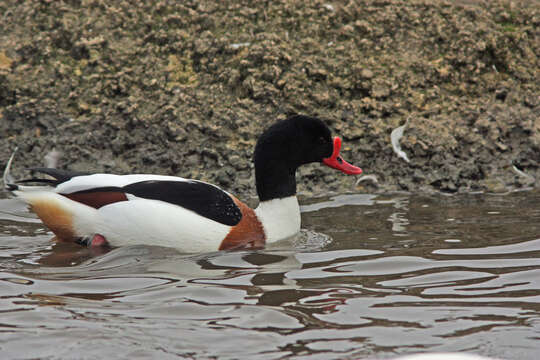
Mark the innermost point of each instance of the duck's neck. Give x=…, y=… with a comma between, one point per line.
x=280, y=218
x=276, y=181
x=275, y=177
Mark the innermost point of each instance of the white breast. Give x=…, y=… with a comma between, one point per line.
x=280, y=218
x=154, y=222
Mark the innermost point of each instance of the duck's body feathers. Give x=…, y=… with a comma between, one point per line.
x=98, y=190
x=162, y=210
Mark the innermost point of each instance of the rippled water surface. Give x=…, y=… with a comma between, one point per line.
x=373, y=277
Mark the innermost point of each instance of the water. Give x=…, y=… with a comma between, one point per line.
x=373, y=277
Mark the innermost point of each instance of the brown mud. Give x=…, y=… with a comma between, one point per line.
x=185, y=87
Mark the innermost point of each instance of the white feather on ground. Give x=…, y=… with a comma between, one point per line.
x=371, y=178
x=395, y=136
x=7, y=178
x=52, y=158
x=523, y=174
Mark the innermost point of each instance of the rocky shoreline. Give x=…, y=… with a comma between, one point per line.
x=184, y=88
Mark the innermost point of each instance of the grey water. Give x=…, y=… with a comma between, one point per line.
x=370, y=276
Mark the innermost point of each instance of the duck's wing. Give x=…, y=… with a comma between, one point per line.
x=98, y=190
x=202, y=198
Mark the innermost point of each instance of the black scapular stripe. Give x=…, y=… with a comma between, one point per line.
x=59, y=176
x=204, y=199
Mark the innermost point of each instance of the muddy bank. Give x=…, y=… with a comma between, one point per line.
x=184, y=88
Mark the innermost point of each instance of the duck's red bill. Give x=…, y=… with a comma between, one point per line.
x=336, y=161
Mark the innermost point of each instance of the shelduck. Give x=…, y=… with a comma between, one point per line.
x=190, y=215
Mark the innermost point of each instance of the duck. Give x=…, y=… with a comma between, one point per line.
x=190, y=215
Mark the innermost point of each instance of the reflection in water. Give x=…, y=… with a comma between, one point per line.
x=374, y=277
x=399, y=218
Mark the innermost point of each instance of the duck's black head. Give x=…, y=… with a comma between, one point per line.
x=288, y=144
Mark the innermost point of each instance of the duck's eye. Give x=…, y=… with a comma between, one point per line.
x=322, y=139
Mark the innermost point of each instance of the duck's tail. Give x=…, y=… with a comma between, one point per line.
x=56, y=211
x=13, y=186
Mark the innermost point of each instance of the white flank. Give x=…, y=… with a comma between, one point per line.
x=154, y=222
x=280, y=218
x=138, y=222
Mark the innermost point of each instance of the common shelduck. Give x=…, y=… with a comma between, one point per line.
x=190, y=215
